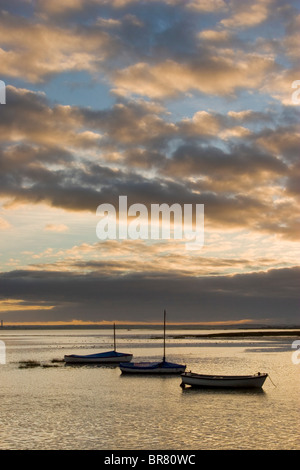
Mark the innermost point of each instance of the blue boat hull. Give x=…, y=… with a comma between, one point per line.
x=152, y=368
x=110, y=357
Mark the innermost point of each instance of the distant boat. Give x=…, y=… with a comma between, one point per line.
x=160, y=367
x=109, y=357
x=223, y=381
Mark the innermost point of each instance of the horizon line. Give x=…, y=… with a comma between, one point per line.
x=139, y=323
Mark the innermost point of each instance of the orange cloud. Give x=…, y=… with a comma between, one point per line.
x=4, y=225
x=14, y=305
x=34, y=51
x=247, y=14
x=213, y=75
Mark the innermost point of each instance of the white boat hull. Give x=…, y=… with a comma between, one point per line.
x=217, y=381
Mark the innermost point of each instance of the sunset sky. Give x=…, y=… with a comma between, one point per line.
x=163, y=101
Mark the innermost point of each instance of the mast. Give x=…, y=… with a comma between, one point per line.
x=164, y=357
x=114, y=337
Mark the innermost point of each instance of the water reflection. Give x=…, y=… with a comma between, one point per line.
x=95, y=406
x=91, y=365
x=223, y=391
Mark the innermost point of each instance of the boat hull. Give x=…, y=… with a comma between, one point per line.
x=101, y=358
x=215, y=381
x=152, y=368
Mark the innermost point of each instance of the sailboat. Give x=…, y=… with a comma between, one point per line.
x=109, y=357
x=160, y=367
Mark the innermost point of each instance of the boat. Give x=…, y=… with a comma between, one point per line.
x=223, y=381
x=109, y=357
x=98, y=358
x=160, y=367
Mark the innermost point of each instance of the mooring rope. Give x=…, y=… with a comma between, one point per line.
x=272, y=381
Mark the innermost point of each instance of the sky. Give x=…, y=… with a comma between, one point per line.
x=186, y=102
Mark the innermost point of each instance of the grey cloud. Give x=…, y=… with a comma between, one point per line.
x=241, y=160
x=44, y=167
x=261, y=295
x=282, y=141
x=242, y=166
x=58, y=37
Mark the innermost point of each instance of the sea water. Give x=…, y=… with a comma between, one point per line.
x=46, y=404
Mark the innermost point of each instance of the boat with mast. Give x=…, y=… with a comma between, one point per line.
x=110, y=357
x=160, y=367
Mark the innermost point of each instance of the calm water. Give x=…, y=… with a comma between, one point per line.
x=90, y=407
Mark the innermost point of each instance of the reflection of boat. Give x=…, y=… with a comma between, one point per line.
x=223, y=381
x=100, y=358
x=160, y=367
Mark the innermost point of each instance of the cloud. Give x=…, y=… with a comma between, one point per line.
x=57, y=228
x=242, y=160
x=57, y=7
x=15, y=305
x=76, y=158
x=92, y=297
x=122, y=43
x=282, y=141
x=201, y=113
x=30, y=118
x=35, y=51
x=247, y=14
x=207, y=6
x=4, y=225
x=292, y=37
x=215, y=36
x=214, y=75
x=115, y=258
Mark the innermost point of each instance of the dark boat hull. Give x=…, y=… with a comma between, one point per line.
x=111, y=357
x=152, y=368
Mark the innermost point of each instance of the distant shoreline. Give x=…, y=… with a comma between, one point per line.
x=240, y=334
x=244, y=332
